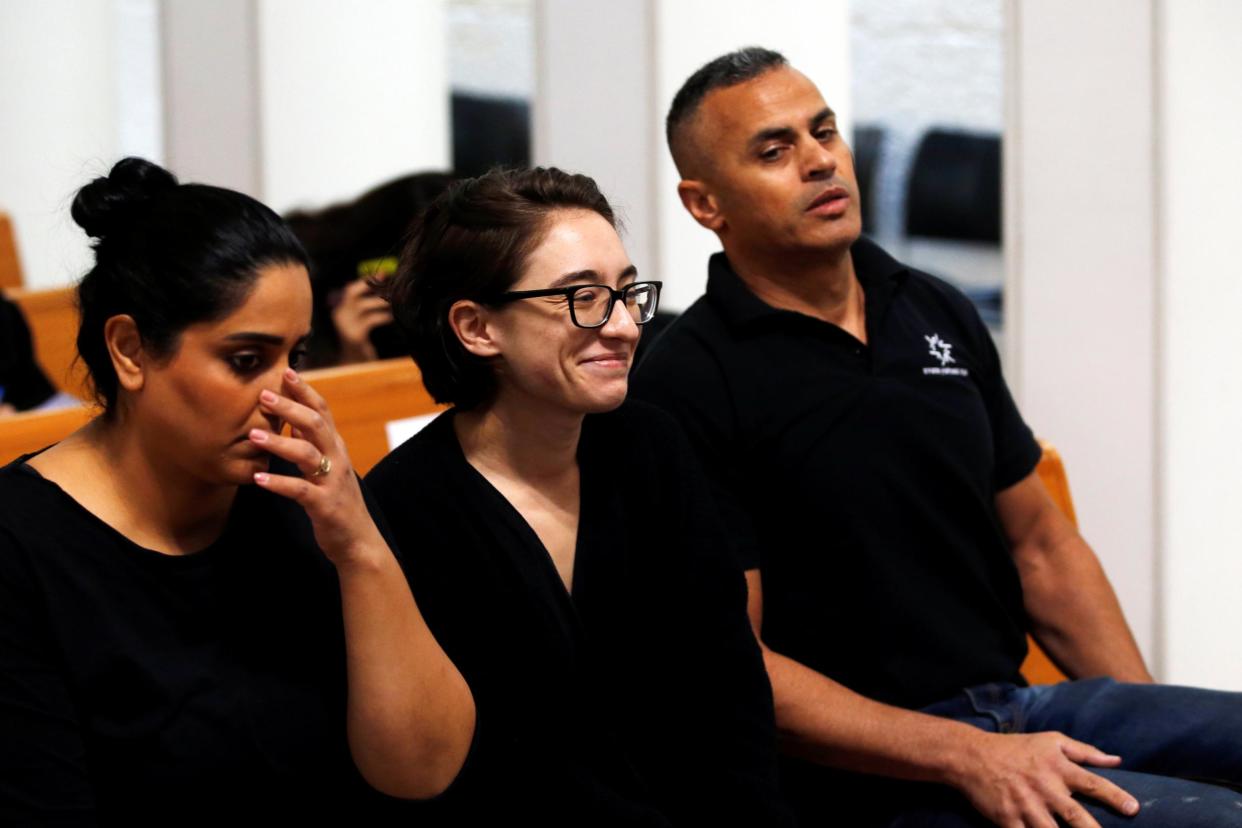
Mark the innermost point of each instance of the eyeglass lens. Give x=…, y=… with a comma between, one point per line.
x=592, y=304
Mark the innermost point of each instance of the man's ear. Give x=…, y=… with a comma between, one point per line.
x=129, y=360
x=470, y=321
x=701, y=204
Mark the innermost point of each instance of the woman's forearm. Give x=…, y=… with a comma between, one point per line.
x=410, y=713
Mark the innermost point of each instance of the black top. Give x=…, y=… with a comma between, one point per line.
x=639, y=700
x=22, y=382
x=138, y=687
x=861, y=478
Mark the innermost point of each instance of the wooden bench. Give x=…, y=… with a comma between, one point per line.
x=10, y=264
x=366, y=396
x=53, y=319
x=363, y=398
x=1038, y=668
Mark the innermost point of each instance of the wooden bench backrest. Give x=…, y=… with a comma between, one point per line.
x=10, y=264
x=1038, y=668
x=53, y=319
x=362, y=398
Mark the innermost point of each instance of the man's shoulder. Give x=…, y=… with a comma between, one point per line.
x=937, y=289
x=688, y=358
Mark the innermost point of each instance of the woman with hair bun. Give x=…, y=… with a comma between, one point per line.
x=187, y=634
x=561, y=541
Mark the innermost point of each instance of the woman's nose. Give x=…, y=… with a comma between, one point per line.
x=620, y=323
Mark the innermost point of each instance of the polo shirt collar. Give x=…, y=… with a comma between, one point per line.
x=878, y=272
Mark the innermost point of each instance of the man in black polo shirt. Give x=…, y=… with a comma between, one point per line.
x=853, y=417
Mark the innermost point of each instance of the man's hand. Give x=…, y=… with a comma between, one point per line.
x=1015, y=780
x=1028, y=781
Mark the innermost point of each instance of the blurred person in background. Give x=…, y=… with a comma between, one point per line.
x=349, y=245
x=23, y=385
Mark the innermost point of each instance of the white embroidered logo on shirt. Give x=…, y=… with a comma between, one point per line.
x=941, y=350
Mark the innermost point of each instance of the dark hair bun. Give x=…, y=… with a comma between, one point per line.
x=107, y=203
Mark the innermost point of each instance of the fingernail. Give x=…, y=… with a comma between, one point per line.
x=291, y=375
x=258, y=435
x=267, y=397
x=1130, y=806
x=260, y=478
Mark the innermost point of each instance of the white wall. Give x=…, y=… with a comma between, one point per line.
x=917, y=64
x=491, y=47
x=1082, y=269
x=57, y=96
x=139, y=78
x=210, y=92
x=1198, y=204
x=593, y=110
x=351, y=94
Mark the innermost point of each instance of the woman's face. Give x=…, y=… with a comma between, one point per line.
x=542, y=353
x=196, y=406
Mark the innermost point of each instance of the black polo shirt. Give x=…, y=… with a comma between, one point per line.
x=860, y=478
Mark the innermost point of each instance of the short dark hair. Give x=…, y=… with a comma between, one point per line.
x=169, y=255
x=727, y=70
x=472, y=243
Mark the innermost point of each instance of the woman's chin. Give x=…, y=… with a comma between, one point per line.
x=604, y=400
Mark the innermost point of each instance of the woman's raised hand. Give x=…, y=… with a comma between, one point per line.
x=328, y=489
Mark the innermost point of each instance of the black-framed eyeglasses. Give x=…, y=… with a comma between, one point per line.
x=590, y=306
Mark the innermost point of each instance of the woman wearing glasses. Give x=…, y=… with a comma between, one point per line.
x=559, y=541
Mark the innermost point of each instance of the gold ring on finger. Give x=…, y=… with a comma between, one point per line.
x=325, y=466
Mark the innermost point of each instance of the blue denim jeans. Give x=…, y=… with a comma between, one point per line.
x=1181, y=747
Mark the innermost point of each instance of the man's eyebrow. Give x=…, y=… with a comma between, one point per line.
x=772, y=134
x=824, y=114
x=784, y=133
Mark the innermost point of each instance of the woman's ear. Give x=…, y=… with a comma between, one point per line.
x=124, y=343
x=471, y=323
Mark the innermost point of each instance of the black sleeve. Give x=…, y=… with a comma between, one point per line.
x=686, y=381
x=1014, y=447
x=44, y=778
x=720, y=694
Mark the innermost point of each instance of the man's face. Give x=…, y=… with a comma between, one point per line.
x=777, y=177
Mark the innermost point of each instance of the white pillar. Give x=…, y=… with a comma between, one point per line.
x=60, y=127
x=210, y=83
x=1080, y=230
x=352, y=94
x=606, y=75
x=304, y=102
x=1198, y=202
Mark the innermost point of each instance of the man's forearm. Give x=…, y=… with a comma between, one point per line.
x=1011, y=779
x=1074, y=613
x=826, y=722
